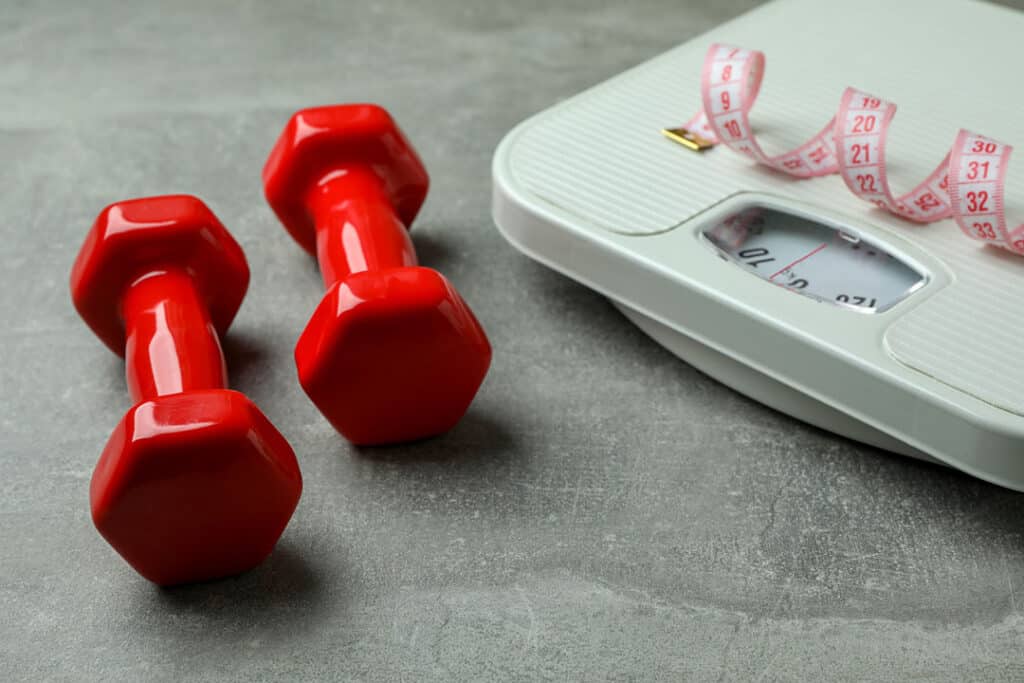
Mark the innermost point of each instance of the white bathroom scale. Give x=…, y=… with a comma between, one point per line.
x=907, y=337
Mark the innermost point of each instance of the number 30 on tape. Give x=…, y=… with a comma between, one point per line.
x=967, y=185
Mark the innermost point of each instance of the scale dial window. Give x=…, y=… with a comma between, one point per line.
x=815, y=260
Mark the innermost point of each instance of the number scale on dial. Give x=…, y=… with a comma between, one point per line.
x=825, y=263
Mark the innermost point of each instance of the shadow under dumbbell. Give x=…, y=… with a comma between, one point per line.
x=479, y=443
x=306, y=265
x=247, y=356
x=431, y=252
x=282, y=593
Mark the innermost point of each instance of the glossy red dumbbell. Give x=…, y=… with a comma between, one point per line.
x=194, y=483
x=392, y=353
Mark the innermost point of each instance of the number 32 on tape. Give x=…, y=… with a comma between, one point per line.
x=968, y=185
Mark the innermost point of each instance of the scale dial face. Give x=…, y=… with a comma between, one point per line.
x=813, y=259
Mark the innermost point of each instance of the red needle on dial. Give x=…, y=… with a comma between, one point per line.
x=799, y=260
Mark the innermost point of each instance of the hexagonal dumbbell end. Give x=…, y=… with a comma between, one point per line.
x=195, y=483
x=194, y=486
x=392, y=356
x=392, y=353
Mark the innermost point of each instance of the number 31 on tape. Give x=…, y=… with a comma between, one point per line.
x=968, y=185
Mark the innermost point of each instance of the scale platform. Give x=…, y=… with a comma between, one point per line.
x=907, y=337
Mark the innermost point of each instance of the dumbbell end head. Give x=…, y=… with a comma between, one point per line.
x=194, y=486
x=391, y=356
x=133, y=238
x=321, y=141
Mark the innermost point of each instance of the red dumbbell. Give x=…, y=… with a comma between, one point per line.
x=194, y=483
x=392, y=353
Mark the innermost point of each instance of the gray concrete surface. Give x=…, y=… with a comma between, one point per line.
x=603, y=512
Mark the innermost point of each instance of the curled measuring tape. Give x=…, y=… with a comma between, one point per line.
x=977, y=173
x=967, y=185
x=730, y=83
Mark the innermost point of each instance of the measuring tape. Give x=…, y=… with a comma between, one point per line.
x=967, y=185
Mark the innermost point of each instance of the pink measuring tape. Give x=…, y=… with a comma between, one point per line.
x=967, y=185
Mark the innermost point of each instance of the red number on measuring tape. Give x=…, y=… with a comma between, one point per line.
x=867, y=183
x=818, y=155
x=977, y=202
x=927, y=202
x=985, y=230
x=863, y=124
x=977, y=170
x=861, y=154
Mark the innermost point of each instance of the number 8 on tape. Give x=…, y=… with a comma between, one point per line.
x=967, y=185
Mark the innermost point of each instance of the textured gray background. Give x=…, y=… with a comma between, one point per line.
x=603, y=511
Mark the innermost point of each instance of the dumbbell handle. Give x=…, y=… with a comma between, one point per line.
x=172, y=345
x=357, y=228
